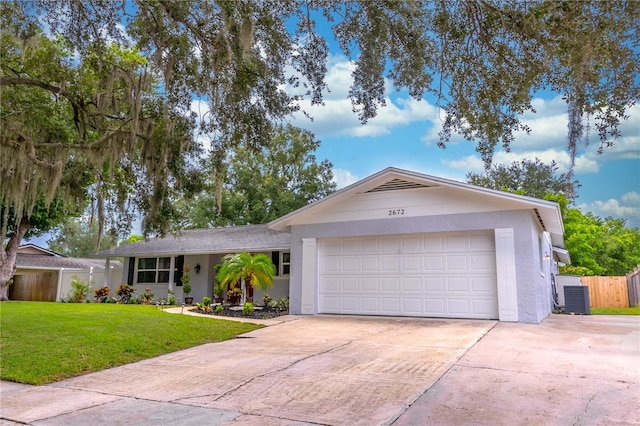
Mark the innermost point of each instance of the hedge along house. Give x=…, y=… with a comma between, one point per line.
x=157, y=263
x=401, y=243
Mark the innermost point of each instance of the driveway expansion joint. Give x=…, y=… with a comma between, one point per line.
x=286, y=367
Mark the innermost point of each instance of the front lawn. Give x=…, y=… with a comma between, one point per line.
x=43, y=342
x=616, y=311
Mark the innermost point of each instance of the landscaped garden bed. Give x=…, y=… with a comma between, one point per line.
x=259, y=312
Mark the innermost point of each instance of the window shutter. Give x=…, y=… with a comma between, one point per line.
x=275, y=258
x=178, y=272
x=132, y=267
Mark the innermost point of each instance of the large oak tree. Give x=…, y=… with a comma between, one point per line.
x=260, y=185
x=131, y=69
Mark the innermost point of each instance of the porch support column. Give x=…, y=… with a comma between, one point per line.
x=506, y=275
x=309, y=274
x=107, y=273
x=172, y=267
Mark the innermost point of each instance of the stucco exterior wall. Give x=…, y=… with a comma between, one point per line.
x=529, y=283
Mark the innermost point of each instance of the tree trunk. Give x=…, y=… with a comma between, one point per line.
x=8, y=257
x=244, y=297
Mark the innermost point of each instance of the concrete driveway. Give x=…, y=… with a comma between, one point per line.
x=365, y=370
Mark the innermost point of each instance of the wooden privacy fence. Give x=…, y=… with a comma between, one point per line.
x=633, y=286
x=607, y=292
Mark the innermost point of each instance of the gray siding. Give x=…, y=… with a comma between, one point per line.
x=531, y=287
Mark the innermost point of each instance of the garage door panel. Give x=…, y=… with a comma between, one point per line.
x=391, y=245
x=456, y=243
x=330, y=284
x=350, y=304
x=370, y=264
x=434, y=307
x=371, y=246
x=439, y=275
x=456, y=263
x=412, y=285
x=412, y=245
x=434, y=284
x=484, y=308
x=390, y=264
x=482, y=242
x=458, y=307
x=330, y=304
x=370, y=285
x=483, y=285
x=331, y=247
x=391, y=284
x=350, y=264
x=457, y=285
x=412, y=306
x=482, y=263
x=351, y=247
x=390, y=305
x=329, y=264
x=411, y=263
x=433, y=263
x=350, y=285
x=433, y=244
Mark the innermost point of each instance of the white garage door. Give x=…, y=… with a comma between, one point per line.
x=432, y=275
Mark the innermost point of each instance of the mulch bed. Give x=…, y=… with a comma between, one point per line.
x=236, y=311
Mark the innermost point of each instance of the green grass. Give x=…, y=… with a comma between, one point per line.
x=615, y=311
x=43, y=342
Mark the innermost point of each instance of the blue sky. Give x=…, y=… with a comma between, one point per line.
x=405, y=133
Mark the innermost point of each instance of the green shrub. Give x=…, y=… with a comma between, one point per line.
x=172, y=300
x=266, y=299
x=219, y=309
x=186, y=289
x=247, y=308
x=125, y=291
x=281, y=304
x=79, y=291
x=146, y=298
x=101, y=295
x=206, y=301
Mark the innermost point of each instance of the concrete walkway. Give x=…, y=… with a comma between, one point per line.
x=364, y=370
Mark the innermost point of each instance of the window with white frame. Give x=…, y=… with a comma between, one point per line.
x=285, y=263
x=153, y=270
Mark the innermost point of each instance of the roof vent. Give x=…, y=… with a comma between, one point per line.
x=397, y=184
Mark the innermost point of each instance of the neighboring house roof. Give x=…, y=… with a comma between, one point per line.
x=34, y=249
x=253, y=238
x=31, y=257
x=547, y=212
x=37, y=261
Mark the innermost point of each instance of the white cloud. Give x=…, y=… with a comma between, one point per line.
x=473, y=163
x=344, y=178
x=631, y=198
x=548, y=138
x=628, y=208
x=336, y=116
x=470, y=163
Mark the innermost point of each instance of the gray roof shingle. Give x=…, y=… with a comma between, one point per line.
x=43, y=261
x=252, y=238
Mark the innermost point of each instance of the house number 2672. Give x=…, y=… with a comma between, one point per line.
x=396, y=212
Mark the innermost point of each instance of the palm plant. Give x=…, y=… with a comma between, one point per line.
x=258, y=269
